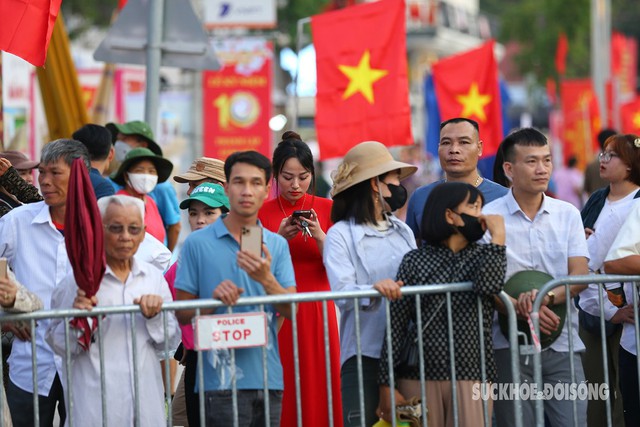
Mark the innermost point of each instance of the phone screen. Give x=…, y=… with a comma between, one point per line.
x=251, y=240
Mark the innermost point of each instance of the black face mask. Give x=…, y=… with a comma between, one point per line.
x=472, y=228
x=398, y=196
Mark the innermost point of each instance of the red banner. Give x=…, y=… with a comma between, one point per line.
x=624, y=62
x=467, y=86
x=561, y=54
x=363, y=90
x=237, y=99
x=581, y=119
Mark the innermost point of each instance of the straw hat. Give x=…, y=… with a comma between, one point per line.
x=203, y=168
x=364, y=161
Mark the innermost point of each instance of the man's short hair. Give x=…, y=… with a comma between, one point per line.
x=65, y=149
x=250, y=157
x=461, y=120
x=603, y=135
x=526, y=137
x=120, y=200
x=96, y=138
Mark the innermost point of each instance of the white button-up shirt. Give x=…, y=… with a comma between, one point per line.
x=544, y=243
x=627, y=243
x=118, y=358
x=36, y=252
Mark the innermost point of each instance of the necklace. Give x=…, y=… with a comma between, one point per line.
x=304, y=200
x=475, y=184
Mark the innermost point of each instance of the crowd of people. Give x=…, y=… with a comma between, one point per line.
x=462, y=228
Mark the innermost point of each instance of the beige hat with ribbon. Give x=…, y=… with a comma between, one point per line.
x=203, y=168
x=364, y=161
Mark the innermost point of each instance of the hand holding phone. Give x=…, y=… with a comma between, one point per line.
x=251, y=240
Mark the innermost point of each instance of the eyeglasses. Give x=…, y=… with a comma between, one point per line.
x=133, y=230
x=607, y=156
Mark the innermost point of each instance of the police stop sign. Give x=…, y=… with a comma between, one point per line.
x=231, y=331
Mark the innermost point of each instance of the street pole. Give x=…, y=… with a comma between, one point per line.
x=601, y=52
x=154, y=57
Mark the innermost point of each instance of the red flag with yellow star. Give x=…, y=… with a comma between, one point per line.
x=466, y=85
x=630, y=114
x=581, y=119
x=362, y=89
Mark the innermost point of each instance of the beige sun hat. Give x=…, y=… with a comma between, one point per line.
x=364, y=161
x=203, y=168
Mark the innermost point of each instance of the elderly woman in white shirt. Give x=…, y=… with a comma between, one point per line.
x=127, y=280
x=362, y=251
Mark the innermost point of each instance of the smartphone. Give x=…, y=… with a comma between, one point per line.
x=298, y=214
x=251, y=240
x=3, y=268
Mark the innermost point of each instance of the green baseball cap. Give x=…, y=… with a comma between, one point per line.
x=135, y=127
x=524, y=281
x=163, y=166
x=210, y=194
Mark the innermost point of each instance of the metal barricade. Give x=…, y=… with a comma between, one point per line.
x=259, y=302
x=599, y=280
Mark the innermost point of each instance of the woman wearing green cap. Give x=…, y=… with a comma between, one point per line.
x=206, y=203
x=139, y=173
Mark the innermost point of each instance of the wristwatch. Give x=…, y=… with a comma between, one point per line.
x=552, y=297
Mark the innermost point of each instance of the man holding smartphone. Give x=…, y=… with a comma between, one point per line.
x=213, y=264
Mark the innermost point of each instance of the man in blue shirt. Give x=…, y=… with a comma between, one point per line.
x=97, y=139
x=211, y=264
x=459, y=150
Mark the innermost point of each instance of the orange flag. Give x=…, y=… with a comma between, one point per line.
x=362, y=89
x=467, y=85
x=630, y=114
x=581, y=119
x=26, y=28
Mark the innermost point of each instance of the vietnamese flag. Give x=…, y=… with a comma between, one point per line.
x=630, y=114
x=362, y=89
x=26, y=28
x=467, y=86
x=581, y=119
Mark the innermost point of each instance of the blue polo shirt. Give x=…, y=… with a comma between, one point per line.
x=208, y=257
x=490, y=190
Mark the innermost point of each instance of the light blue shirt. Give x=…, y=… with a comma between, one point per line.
x=356, y=256
x=36, y=253
x=208, y=257
x=490, y=190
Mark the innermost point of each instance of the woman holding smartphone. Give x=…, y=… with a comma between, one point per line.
x=303, y=220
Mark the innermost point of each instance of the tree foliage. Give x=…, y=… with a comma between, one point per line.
x=537, y=24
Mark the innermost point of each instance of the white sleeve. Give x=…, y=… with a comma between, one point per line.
x=590, y=303
x=62, y=298
x=627, y=242
x=154, y=252
x=155, y=325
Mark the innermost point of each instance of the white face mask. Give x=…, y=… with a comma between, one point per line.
x=121, y=148
x=142, y=183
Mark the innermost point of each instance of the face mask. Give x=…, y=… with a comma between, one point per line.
x=121, y=148
x=142, y=183
x=472, y=229
x=398, y=196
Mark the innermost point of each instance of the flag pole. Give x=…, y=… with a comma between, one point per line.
x=296, y=99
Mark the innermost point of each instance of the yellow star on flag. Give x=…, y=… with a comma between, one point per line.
x=473, y=103
x=362, y=78
x=636, y=119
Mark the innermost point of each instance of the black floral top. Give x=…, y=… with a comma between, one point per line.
x=485, y=266
x=21, y=189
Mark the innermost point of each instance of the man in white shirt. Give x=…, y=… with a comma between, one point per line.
x=542, y=234
x=32, y=240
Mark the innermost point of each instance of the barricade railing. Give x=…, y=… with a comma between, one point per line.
x=600, y=280
x=259, y=302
